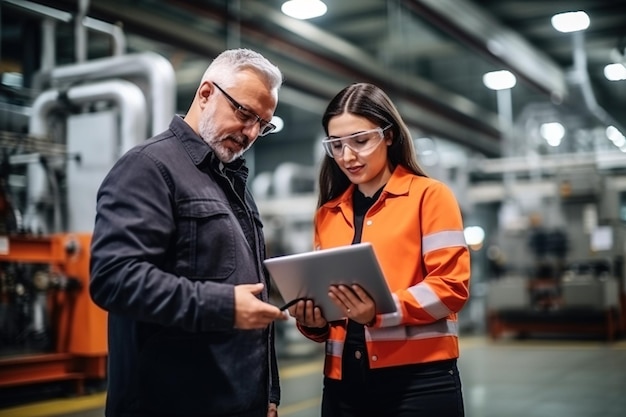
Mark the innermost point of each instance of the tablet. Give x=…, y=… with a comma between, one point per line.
x=308, y=275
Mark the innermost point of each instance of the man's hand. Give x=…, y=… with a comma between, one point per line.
x=272, y=410
x=252, y=313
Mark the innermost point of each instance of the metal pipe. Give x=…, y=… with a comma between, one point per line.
x=114, y=31
x=157, y=69
x=80, y=34
x=125, y=94
x=581, y=77
x=48, y=50
x=40, y=10
x=474, y=27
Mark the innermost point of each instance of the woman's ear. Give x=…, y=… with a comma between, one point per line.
x=392, y=134
x=389, y=138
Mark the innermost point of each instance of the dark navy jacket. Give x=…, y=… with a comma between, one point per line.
x=173, y=235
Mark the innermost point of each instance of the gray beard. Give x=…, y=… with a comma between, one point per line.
x=208, y=133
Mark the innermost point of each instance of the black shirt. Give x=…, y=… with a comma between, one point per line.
x=355, y=337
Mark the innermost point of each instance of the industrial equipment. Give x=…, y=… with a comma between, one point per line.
x=559, y=240
x=62, y=127
x=51, y=331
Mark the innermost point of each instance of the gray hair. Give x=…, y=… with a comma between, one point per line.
x=237, y=60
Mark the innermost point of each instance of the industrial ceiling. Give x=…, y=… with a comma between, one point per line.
x=429, y=55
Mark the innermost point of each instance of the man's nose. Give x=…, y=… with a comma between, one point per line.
x=252, y=130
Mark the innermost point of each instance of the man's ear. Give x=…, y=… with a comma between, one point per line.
x=204, y=91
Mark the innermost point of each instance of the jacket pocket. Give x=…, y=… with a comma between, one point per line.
x=206, y=240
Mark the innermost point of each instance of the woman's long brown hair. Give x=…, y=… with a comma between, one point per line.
x=372, y=103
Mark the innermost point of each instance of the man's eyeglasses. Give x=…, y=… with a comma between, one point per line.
x=358, y=143
x=247, y=117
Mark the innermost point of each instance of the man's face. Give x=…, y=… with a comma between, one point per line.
x=219, y=123
x=227, y=146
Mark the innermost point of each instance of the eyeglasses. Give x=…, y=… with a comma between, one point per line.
x=358, y=143
x=247, y=117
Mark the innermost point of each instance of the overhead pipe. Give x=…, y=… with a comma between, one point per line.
x=581, y=78
x=80, y=33
x=473, y=26
x=431, y=108
x=157, y=69
x=48, y=42
x=116, y=34
x=551, y=164
x=114, y=31
x=367, y=64
x=126, y=95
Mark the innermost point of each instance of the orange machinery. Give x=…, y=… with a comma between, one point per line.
x=78, y=347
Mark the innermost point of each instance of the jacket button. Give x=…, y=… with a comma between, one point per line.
x=357, y=354
x=369, y=222
x=374, y=358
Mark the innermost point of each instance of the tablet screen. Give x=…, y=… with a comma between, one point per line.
x=308, y=275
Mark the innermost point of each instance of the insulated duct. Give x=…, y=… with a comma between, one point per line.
x=580, y=77
x=125, y=94
x=154, y=67
x=473, y=26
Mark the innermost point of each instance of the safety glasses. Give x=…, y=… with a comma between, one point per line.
x=359, y=143
x=247, y=117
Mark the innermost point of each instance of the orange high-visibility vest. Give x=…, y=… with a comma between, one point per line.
x=416, y=230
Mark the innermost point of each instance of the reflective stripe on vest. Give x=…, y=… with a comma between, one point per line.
x=401, y=333
x=334, y=348
x=429, y=300
x=441, y=240
x=392, y=319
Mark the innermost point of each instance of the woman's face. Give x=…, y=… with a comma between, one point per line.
x=368, y=168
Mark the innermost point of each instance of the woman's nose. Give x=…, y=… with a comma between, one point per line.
x=349, y=155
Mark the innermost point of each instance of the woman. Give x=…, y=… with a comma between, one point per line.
x=372, y=189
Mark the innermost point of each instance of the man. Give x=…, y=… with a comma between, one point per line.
x=176, y=258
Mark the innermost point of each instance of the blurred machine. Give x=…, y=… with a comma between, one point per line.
x=287, y=200
x=560, y=241
x=579, y=304
x=61, y=129
x=50, y=329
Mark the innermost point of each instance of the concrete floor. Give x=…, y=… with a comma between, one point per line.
x=506, y=378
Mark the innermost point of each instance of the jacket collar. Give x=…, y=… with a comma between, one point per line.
x=398, y=184
x=201, y=153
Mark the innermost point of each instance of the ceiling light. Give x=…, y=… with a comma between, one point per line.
x=499, y=80
x=616, y=137
x=615, y=72
x=570, y=21
x=613, y=133
x=304, y=9
x=279, y=123
x=552, y=132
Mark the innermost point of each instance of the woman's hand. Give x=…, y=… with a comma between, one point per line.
x=355, y=301
x=307, y=314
